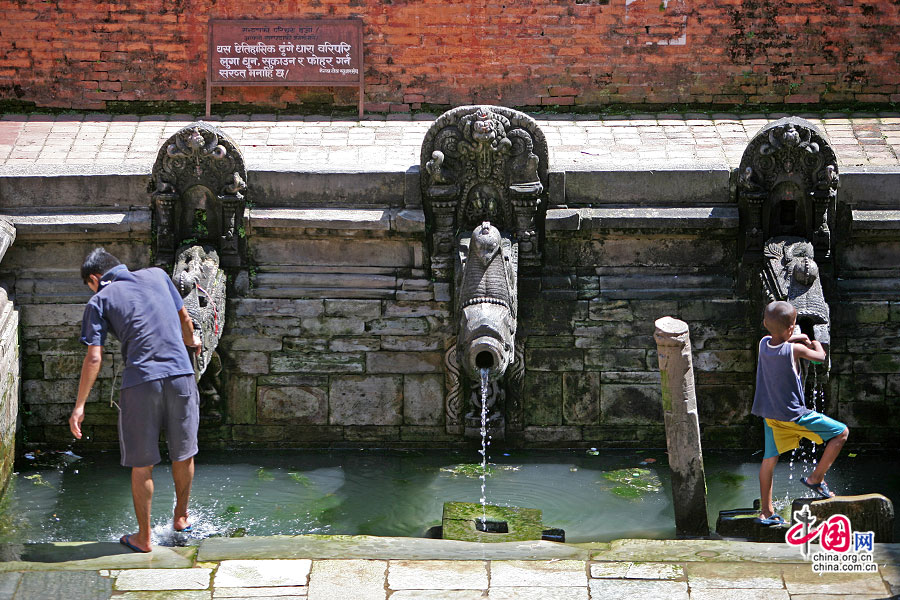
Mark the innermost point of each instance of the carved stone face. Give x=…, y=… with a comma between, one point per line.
x=483, y=128
x=791, y=136
x=486, y=242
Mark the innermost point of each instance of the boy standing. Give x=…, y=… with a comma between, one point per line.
x=779, y=401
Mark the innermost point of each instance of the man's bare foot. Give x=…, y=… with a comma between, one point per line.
x=180, y=523
x=131, y=541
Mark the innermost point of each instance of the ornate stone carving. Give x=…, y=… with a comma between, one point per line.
x=790, y=273
x=487, y=301
x=201, y=283
x=787, y=185
x=483, y=163
x=487, y=306
x=197, y=187
x=452, y=385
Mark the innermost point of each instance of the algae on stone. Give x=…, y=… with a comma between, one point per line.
x=633, y=483
x=459, y=518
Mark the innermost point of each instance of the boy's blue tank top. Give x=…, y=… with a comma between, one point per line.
x=779, y=393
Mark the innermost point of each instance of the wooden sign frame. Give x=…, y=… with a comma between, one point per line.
x=279, y=38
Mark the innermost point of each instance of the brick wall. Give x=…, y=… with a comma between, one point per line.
x=84, y=55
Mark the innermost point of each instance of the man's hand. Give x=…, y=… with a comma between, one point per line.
x=196, y=344
x=75, y=421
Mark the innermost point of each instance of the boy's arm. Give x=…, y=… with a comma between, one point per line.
x=808, y=349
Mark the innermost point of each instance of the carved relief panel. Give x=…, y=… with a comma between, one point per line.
x=197, y=187
x=483, y=163
x=787, y=185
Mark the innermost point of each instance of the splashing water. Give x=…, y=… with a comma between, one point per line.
x=484, y=442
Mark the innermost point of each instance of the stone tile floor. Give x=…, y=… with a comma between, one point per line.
x=393, y=143
x=368, y=568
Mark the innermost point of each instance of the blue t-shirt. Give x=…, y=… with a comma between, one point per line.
x=779, y=393
x=141, y=309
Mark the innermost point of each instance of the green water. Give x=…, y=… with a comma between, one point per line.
x=395, y=493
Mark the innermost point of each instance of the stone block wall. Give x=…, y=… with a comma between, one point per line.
x=585, y=53
x=9, y=368
x=339, y=337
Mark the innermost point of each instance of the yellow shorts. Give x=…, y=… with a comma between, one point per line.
x=781, y=436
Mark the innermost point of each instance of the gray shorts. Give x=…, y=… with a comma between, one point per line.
x=171, y=404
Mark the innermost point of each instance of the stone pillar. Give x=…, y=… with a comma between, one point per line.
x=673, y=344
x=9, y=368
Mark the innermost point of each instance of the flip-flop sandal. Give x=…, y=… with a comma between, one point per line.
x=187, y=529
x=775, y=519
x=125, y=540
x=819, y=488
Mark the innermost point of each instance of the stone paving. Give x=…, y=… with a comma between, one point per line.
x=380, y=143
x=343, y=567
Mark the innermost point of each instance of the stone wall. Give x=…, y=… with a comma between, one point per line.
x=339, y=338
x=87, y=55
x=9, y=368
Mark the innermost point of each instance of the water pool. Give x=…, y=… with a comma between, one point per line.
x=396, y=493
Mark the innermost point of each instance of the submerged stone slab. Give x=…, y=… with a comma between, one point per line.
x=520, y=573
x=374, y=547
x=437, y=575
x=459, y=522
x=80, y=556
x=259, y=573
x=163, y=579
x=339, y=579
x=79, y=585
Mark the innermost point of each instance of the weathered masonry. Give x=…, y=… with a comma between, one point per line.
x=583, y=53
x=337, y=326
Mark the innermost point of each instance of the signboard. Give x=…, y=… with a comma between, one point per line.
x=284, y=52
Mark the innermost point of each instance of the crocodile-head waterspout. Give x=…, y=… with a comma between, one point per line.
x=201, y=283
x=790, y=273
x=486, y=301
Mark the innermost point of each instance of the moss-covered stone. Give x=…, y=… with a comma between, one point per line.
x=459, y=522
x=633, y=483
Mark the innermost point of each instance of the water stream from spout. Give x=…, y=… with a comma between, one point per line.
x=484, y=441
x=810, y=460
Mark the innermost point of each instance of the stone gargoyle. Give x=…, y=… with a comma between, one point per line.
x=790, y=273
x=486, y=302
x=201, y=283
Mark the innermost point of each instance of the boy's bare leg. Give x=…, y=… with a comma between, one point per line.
x=832, y=449
x=766, y=472
x=183, y=476
x=142, y=494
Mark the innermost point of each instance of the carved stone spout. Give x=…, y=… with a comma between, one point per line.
x=790, y=273
x=201, y=283
x=486, y=301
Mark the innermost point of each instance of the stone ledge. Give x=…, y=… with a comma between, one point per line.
x=875, y=223
x=65, y=224
x=706, y=218
x=7, y=235
x=667, y=186
x=400, y=220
